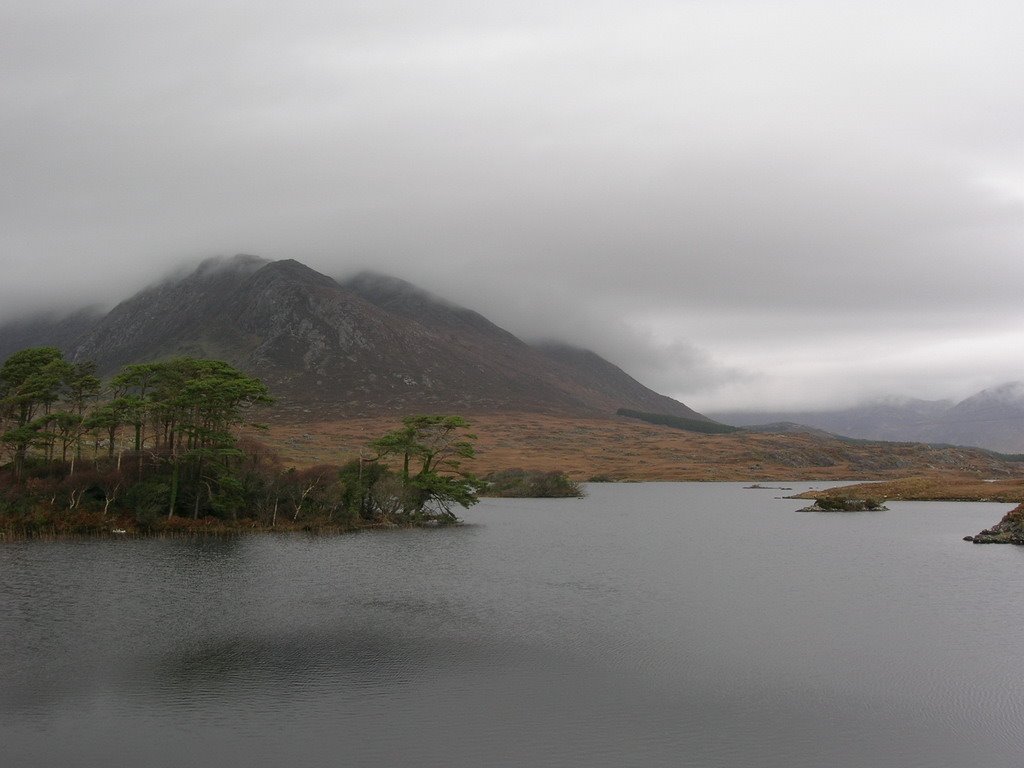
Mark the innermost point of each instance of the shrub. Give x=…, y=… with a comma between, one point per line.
x=832, y=502
x=846, y=504
x=519, y=483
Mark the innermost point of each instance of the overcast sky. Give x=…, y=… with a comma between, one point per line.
x=778, y=203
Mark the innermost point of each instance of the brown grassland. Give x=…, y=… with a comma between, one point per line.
x=626, y=450
x=934, y=487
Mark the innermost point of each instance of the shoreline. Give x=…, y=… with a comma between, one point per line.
x=929, y=488
x=51, y=528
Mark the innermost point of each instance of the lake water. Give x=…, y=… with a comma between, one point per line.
x=647, y=625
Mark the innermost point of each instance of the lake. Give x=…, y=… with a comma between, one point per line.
x=660, y=624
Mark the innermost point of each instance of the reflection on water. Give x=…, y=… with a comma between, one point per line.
x=654, y=625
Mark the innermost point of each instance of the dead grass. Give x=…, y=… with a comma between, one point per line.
x=624, y=449
x=935, y=487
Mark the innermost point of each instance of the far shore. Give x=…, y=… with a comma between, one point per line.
x=937, y=487
x=619, y=449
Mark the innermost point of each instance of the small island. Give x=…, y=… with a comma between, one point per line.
x=844, y=504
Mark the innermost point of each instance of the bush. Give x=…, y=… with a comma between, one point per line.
x=832, y=502
x=519, y=483
x=846, y=504
x=147, y=501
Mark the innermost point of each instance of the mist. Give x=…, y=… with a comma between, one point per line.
x=741, y=204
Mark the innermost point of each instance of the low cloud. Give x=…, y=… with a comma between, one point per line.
x=729, y=200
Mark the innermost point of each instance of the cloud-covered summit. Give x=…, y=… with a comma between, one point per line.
x=790, y=202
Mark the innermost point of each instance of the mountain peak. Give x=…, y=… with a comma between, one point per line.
x=371, y=344
x=294, y=271
x=240, y=262
x=1009, y=392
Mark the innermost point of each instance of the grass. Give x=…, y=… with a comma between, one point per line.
x=933, y=487
x=626, y=449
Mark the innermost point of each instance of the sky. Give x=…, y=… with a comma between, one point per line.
x=774, y=203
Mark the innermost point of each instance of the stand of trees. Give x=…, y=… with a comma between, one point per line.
x=157, y=448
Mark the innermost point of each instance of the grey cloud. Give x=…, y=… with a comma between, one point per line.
x=672, y=184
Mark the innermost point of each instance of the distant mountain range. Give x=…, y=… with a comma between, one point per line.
x=366, y=345
x=992, y=418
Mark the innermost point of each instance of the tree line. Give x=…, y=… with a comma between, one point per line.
x=158, y=447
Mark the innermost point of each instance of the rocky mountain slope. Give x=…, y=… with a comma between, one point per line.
x=367, y=345
x=57, y=330
x=993, y=418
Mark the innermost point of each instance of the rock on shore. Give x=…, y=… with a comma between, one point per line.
x=1009, y=530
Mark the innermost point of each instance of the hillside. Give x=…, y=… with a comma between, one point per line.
x=61, y=331
x=371, y=344
x=991, y=418
x=626, y=449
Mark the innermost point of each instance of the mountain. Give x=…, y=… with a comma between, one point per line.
x=50, y=329
x=888, y=419
x=584, y=375
x=600, y=379
x=992, y=419
x=369, y=344
x=169, y=318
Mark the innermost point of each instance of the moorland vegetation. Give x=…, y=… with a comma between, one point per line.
x=534, y=484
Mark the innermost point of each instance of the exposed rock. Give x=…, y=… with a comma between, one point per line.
x=1009, y=530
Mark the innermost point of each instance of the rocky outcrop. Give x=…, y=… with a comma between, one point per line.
x=843, y=504
x=1009, y=530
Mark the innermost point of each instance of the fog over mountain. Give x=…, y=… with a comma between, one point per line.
x=369, y=345
x=992, y=418
x=792, y=204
